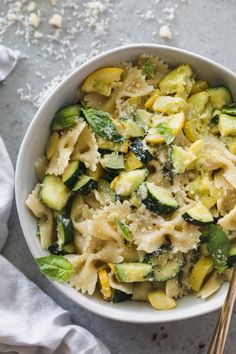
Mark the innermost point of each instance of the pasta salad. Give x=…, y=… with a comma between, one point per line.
x=136, y=193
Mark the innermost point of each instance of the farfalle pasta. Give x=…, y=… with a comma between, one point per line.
x=136, y=192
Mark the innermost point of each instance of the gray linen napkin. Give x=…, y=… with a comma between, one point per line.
x=31, y=322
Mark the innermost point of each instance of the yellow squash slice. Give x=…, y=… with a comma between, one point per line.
x=175, y=122
x=160, y=301
x=105, y=284
x=101, y=81
x=199, y=272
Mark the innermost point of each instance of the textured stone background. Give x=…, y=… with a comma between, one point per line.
x=205, y=27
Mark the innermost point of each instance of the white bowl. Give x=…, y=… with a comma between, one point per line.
x=33, y=147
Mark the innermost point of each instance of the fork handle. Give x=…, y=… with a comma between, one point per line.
x=220, y=334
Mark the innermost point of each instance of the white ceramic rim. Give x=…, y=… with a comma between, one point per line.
x=82, y=300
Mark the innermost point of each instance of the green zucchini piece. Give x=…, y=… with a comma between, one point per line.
x=128, y=182
x=181, y=158
x=132, y=129
x=124, y=230
x=232, y=256
x=220, y=97
x=227, y=125
x=199, y=215
x=168, y=270
x=72, y=173
x=85, y=185
x=215, y=116
x=52, y=144
x=133, y=272
x=55, y=249
x=54, y=193
x=141, y=151
x=178, y=81
x=102, y=124
x=120, y=296
x=65, y=230
x=218, y=245
x=107, y=195
x=163, y=249
x=143, y=118
x=159, y=199
x=66, y=117
x=113, y=162
x=229, y=110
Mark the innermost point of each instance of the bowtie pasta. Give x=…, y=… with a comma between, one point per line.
x=136, y=192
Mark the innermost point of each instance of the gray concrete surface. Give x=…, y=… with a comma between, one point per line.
x=205, y=27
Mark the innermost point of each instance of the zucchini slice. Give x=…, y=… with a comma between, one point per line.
x=66, y=117
x=132, y=129
x=199, y=215
x=199, y=86
x=85, y=185
x=142, y=152
x=109, y=145
x=54, y=193
x=127, y=182
x=52, y=145
x=212, y=285
x=120, y=296
x=143, y=118
x=160, y=200
x=227, y=125
x=101, y=80
x=133, y=272
x=124, y=230
x=113, y=162
x=169, y=270
x=160, y=301
x=106, y=194
x=230, y=142
x=220, y=97
x=178, y=81
x=229, y=110
x=65, y=230
x=181, y=158
x=72, y=173
x=232, y=256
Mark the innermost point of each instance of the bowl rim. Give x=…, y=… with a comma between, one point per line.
x=82, y=301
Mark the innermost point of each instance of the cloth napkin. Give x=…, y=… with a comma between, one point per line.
x=30, y=321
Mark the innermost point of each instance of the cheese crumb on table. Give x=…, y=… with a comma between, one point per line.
x=34, y=20
x=31, y=6
x=165, y=32
x=56, y=20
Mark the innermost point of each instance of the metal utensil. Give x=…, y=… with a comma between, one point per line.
x=220, y=334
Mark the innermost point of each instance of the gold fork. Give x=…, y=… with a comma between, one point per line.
x=220, y=334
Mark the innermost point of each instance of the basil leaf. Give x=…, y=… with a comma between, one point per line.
x=149, y=69
x=166, y=131
x=55, y=267
x=218, y=246
x=102, y=124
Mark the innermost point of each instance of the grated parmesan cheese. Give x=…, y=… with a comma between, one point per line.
x=34, y=20
x=56, y=20
x=165, y=32
x=31, y=6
